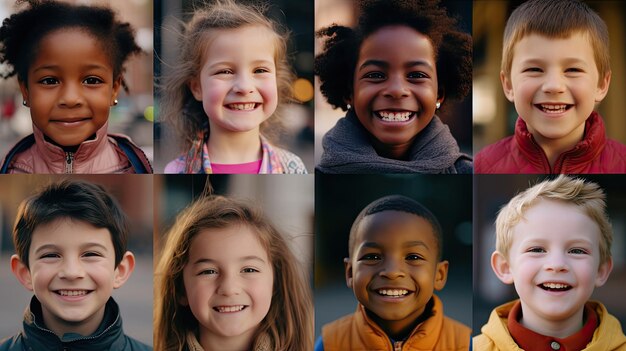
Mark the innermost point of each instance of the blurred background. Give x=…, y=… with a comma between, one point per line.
x=338, y=201
x=457, y=115
x=133, y=115
x=286, y=200
x=297, y=16
x=494, y=115
x=495, y=191
x=134, y=194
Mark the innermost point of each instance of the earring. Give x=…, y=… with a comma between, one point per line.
x=349, y=106
x=24, y=103
x=115, y=102
x=438, y=105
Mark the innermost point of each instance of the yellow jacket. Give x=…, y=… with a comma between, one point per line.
x=495, y=334
x=357, y=332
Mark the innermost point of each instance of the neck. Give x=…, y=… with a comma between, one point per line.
x=561, y=328
x=213, y=342
x=553, y=148
x=83, y=327
x=234, y=148
x=396, y=152
x=399, y=330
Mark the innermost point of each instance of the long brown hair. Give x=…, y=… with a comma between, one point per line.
x=289, y=322
x=178, y=107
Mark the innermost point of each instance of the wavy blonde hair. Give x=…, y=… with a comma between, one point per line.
x=289, y=322
x=178, y=107
x=588, y=196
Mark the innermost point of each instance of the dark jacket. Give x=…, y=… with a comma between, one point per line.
x=520, y=153
x=347, y=150
x=108, y=336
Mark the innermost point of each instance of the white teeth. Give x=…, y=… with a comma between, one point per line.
x=393, y=292
x=229, y=308
x=243, y=107
x=553, y=108
x=555, y=285
x=394, y=116
x=72, y=292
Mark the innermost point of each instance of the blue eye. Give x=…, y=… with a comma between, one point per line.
x=578, y=251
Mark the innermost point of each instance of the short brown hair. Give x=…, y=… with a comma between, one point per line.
x=556, y=19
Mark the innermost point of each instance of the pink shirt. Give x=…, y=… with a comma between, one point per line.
x=238, y=168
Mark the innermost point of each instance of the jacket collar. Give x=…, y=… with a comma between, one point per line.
x=108, y=336
x=571, y=160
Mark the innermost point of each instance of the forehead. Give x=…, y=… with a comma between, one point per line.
x=397, y=43
x=394, y=229
x=226, y=244
x=67, y=232
x=73, y=47
x=556, y=221
x=247, y=42
x=576, y=45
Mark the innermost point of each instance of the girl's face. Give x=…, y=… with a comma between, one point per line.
x=70, y=86
x=228, y=282
x=237, y=82
x=395, y=85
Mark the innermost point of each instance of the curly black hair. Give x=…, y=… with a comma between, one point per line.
x=22, y=32
x=453, y=48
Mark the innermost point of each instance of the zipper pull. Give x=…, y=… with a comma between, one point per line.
x=397, y=346
x=69, y=162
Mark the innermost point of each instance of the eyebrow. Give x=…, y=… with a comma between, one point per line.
x=56, y=247
x=372, y=244
x=385, y=64
x=56, y=67
x=242, y=259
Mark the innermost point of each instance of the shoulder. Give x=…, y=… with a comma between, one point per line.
x=135, y=345
x=12, y=343
x=464, y=165
x=175, y=166
x=291, y=163
x=135, y=155
x=490, y=158
x=17, y=154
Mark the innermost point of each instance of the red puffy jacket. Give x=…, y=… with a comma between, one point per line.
x=520, y=153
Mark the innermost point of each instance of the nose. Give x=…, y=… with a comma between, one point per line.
x=71, y=95
x=392, y=269
x=243, y=84
x=228, y=285
x=554, y=83
x=556, y=262
x=396, y=87
x=71, y=269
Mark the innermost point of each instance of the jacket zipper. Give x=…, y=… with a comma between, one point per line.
x=69, y=162
x=397, y=346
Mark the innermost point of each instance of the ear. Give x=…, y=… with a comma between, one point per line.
x=603, y=87
x=441, y=95
x=347, y=263
x=196, y=88
x=506, y=86
x=603, y=272
x=441, y=275
x=21, y=272
x=124, y=269
x=24, y=91
x=117, y=84
x=501, y=267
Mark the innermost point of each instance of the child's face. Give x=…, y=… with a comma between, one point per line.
x=395, y=85
x=70, y=86
x=555, y=84
x=228, y=282
x=237, y=82
x=394, y=268
x=554, y=262
x=72, y=273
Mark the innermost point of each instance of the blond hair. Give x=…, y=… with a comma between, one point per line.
x=178, y=107
x=289, y=322
x=588, y=196
x=557, y=19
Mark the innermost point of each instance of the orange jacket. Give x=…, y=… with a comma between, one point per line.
x=357, y=332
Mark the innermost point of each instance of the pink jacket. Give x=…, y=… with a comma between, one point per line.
x=99, y=155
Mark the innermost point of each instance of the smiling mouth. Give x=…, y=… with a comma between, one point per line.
x=553, y=108
x=72, y=293
x=249, y=106
x=555, y=286
x=229, y=309
x=70, y=120
x=396, y=293
x=394, y=116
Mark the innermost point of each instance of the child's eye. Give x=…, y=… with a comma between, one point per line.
x=262, y=70
x=224, y=71
x=578, y=251
x=48, y=81
x=374, y=75
x=417, y=75
x=536, y=250
x=92, y=254
x=532, y=69
x=92, y=80
x=370, y=257
x=50, y=255
x=249, y=270
x=208, y=271
x=574, y=70
x=414, y=257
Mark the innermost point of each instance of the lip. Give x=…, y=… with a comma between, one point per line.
x=70, y=122
x=242, y=106
x=230, y=309
x=392, y=298
x=72, y=295
x=394, y=116
x=559, y=109
x=557, y=290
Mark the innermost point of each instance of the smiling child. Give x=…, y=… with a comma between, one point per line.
x=555, y=73
x=553, y=242
x=391, y=74
x=393, y=269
